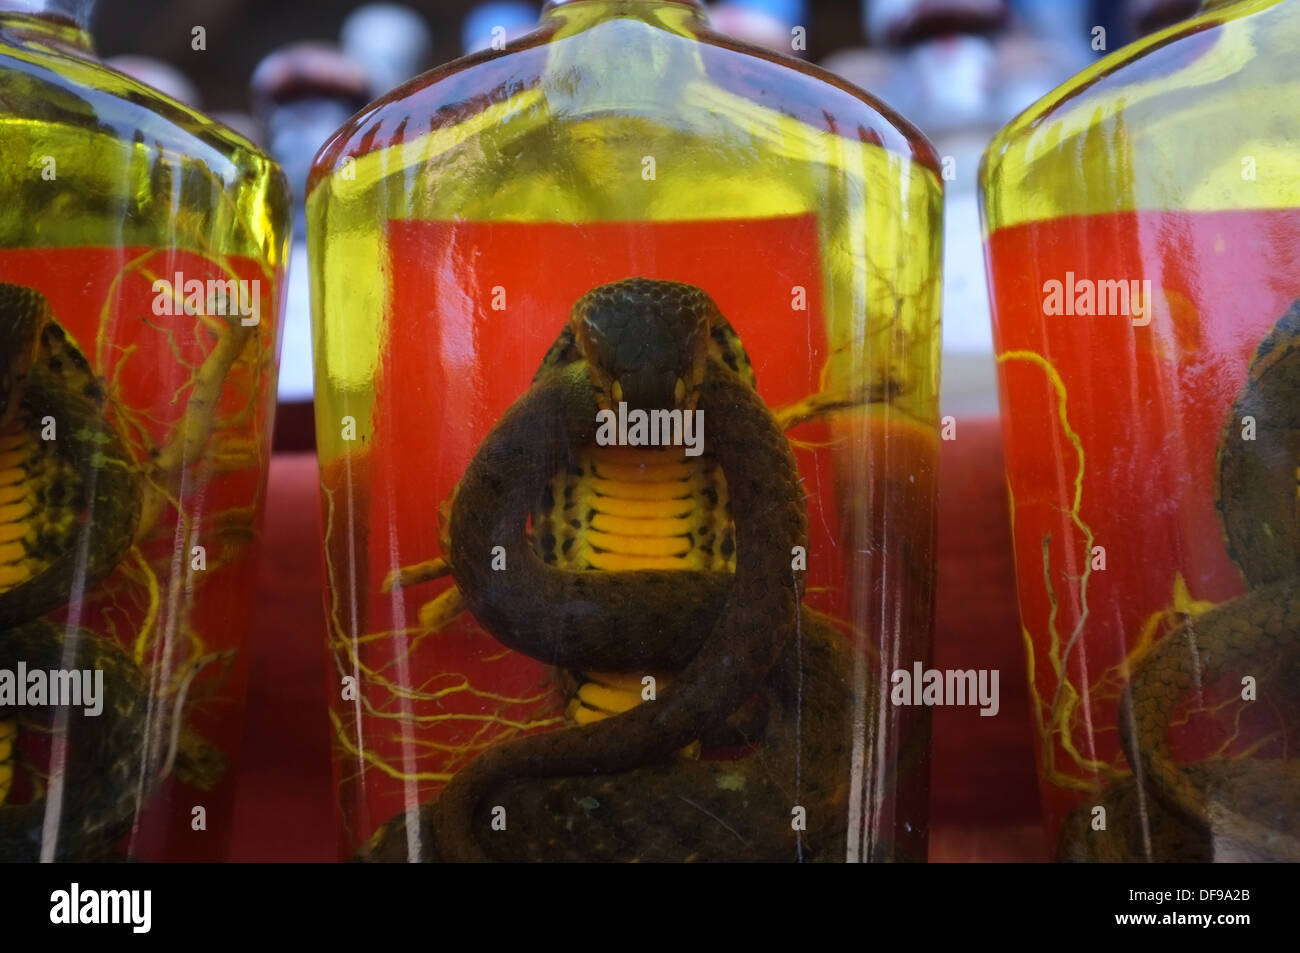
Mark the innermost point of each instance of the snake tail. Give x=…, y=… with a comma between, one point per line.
x=101, y=788
x=680, y=809
x=1241, y=637
x=1249, y=811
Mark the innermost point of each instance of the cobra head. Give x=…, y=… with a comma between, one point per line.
x=23, y=312
x=645, y=341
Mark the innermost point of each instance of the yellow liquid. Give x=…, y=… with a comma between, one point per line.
x=90, y=157
x=629, y=112
x=1198, y=117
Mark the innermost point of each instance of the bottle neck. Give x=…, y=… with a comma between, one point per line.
x=556, y=4
x=61, y=24
x=673, y=15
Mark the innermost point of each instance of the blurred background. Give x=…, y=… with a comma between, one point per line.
x=287, y=73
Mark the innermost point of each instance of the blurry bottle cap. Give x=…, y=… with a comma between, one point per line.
x=903, y=22
x=1028, y=68
x=489, y=21
x=955, y=77
x=163, y=77
x=308, y=71
x=393, y=42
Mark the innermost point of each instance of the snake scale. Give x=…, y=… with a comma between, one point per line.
x=69, y=508
x=1244, y=808
x=619, y=789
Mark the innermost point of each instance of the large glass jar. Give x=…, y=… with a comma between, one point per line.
x=141, y=251
x=593, y=593
x=1143, y=243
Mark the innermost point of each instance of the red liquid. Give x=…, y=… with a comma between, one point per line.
x=1129, y=429
x=161, y=613
x=451, y=365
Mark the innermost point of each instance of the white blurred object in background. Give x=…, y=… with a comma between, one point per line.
x=1028, y=69
x=390, y=40
x=495, y=24
x=766, y=23
x=1064, y=25
x=955, y=75
x=301, y=94
x=878, y=72
x=1050, y=41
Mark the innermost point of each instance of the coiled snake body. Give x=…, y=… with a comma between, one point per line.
x=1244, y=808
x=618, y=789
x=69, y=507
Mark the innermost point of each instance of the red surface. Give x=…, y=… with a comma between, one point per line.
x=284, y=804
x=984, y=802
x=983, y=788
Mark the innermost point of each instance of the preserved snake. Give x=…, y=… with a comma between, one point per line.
x=69, y=509
x=1243, y=808
x=736, y=641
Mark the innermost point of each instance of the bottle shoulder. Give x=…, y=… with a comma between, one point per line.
x=630, y=74
x=123, y=163
x=1166, y=122
x=53, y=90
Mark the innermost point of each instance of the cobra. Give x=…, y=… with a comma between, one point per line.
x=1240, y=807
x=722, y=613
x=71, y=504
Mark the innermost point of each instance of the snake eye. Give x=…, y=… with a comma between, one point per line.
x=617, y=391
x=679, y=393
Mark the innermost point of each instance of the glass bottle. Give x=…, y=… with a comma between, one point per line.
x=626, y=164
x=141, y=251
x=1143, y=243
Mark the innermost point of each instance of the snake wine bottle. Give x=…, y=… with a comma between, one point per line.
x=1143, y=242
x=626, y=360
x=141, y=249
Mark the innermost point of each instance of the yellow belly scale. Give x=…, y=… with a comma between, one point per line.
x=17, y=538
x=629, y=508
